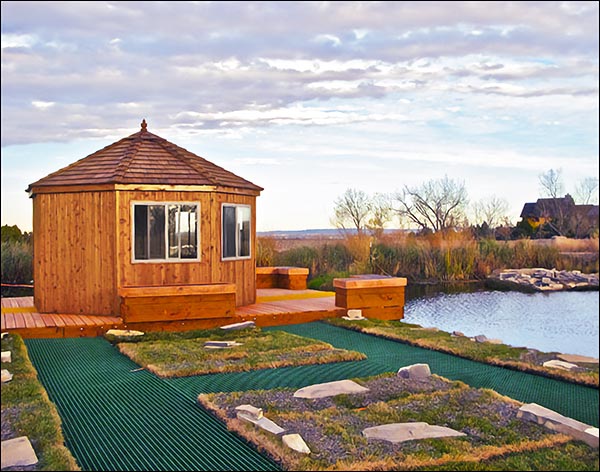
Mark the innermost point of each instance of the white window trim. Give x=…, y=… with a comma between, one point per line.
x=235, y=258
x=170, y=260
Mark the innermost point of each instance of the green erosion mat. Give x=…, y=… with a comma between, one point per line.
x=117, y=418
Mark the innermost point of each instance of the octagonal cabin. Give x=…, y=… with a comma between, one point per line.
x=146, y=230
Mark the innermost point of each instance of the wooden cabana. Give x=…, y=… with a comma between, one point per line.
x=145, y=230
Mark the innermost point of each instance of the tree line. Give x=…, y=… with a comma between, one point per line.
x=443, y=204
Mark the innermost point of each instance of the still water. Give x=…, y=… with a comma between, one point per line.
x=566, y=322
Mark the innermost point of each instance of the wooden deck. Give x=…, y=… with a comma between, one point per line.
x=274, y=307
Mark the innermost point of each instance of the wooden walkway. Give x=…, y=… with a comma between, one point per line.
x=274, y=307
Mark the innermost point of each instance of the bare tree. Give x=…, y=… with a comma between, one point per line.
x=586, y=191
x=555, y=211
x=381, y=213
x=352, y=208
x=436, y=204
x=551, y=183
x=491, y=210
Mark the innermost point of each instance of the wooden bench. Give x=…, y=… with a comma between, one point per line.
x=177, y=302
x=376, y=296
x=290, y=278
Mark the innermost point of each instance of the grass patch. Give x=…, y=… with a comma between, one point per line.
x=183, y=354
x=332, y=428
x=503, y=355
x=27, y=411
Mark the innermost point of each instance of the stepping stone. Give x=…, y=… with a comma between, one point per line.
x=124, y=333
x=556, y=364
x=6, y=356
x=243, y=325
x=263, y=422
x=415, y=371
x=400, y=432
x=6, y=376
x=330, y=389
x=18, y=452
x=250, y=411
x=577, y=358
x=557, y=422
x=295, y=442
x=221, y=344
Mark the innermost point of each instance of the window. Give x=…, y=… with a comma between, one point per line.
x=236, y=231
x=165, y=231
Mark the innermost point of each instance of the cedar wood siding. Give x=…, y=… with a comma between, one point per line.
x=74, y=252
x=210, y=268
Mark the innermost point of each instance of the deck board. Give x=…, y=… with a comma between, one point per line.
x=274, y=306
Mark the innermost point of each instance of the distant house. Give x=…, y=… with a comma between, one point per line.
x=144, y=219
x=562, y=215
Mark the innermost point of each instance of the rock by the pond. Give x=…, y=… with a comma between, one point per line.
x=124, y=333
x=557, y=422
x=556, y=364
x=242, y=325
x=295, y=442
x=415, y=371
x=250, y=411
x=18, y=452
x=400, y=432
x=480, y=338
x=540, y=280
x=221, y=344
x=457, y=333
x=6, y=376
x=329, y=389
x=262, y=422
x=6, y=356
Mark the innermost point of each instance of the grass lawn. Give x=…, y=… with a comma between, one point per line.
x=497, y=354
x=27, y=411
x=183, y=354
x=332, y=428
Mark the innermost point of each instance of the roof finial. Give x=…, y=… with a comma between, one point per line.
x=144, y=124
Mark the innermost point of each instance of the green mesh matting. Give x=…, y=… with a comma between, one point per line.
x=116, y=418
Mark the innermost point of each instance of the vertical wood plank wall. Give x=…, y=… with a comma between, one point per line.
x=74, y=253
x=210, y=268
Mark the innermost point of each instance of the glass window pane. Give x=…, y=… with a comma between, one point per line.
x=140, y=231
x=244, y=228
x=173, y=231
x=188, y=224
x=229, y=231
x=156, y=221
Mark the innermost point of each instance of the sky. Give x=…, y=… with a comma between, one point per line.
x=307, y=99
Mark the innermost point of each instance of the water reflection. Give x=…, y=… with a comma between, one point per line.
x=563, y=321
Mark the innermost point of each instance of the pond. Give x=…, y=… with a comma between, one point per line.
x=565, y=322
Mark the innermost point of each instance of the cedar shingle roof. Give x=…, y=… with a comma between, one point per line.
x=144, y=158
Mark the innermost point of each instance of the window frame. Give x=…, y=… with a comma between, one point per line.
x=237, y=229
x=166, y=204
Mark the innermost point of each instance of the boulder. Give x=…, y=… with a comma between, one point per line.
x=6, y=356
x=415, y=371
x=250, y=411
x=221, y=344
